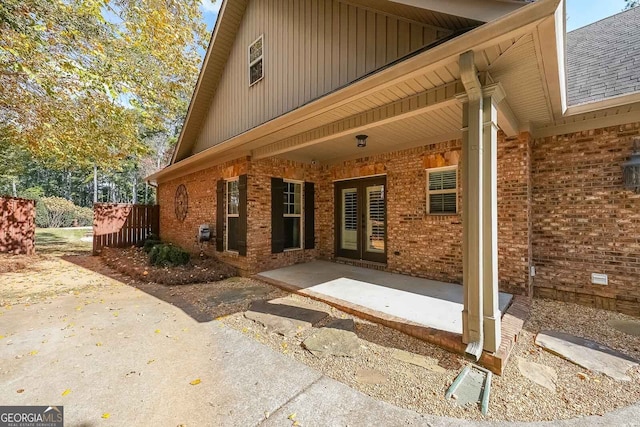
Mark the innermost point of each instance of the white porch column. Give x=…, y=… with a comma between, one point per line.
x=472, y=185
x=492, y=95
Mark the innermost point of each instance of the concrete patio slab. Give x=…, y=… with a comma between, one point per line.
x=429, y=303
x=426, y=309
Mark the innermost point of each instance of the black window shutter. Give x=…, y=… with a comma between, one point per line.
x=220, y=216
x=242, y=215
x=277, y=215
x=309, y=215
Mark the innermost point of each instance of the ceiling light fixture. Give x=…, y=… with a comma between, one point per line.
x=362, y=140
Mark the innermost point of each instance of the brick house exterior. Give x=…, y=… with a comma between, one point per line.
x=561, y=204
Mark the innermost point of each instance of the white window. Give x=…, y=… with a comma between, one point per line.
x=442, y=190
x=233, y=214
x=256, y=72
x=292, y=215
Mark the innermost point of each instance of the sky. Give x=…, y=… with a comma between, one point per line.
x=579, y=12
x=584, y=12
x=210, y=12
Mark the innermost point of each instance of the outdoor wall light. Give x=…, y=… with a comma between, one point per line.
x=362, y=140
x=631, y=168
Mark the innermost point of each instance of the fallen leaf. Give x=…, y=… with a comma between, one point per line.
x=151, y=361
x=157, y=331
x=20, y=390
x=195, y=382
x=292, y=416
x=115, y=314
x=67, y=391
x=582, y=376
x=106, y=415
x=98, y=344
x=1, y=337
x=33, y=352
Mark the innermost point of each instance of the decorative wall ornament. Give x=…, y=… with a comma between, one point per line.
x=631, y=168
x=181, y=202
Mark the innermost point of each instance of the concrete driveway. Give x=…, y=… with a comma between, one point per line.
x=113, y=355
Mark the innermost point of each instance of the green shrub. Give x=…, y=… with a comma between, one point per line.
x=150, y=244
x=168, y=255
x=42, y=214
x=60, y=212
x=84, y=216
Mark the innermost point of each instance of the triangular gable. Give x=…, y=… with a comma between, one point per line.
x=222, y=38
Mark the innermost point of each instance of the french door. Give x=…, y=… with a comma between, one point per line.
x=361, y=219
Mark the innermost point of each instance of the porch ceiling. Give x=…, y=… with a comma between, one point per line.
x=394, y=118
x=434, y=126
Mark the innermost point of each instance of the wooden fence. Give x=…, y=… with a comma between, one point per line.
x=17, y=225
x=117, y=225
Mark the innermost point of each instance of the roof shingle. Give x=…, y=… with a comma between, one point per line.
x=603, y=58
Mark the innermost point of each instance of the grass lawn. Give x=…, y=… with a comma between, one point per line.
x=61, y=241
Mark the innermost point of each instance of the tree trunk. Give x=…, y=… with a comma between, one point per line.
x=95, y=184
x=13, y=185
x=134, y=189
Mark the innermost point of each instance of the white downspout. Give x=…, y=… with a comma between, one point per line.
x=472, y=213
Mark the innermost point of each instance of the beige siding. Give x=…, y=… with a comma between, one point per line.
x=310, y=49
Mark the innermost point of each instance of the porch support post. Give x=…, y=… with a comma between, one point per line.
x=472, y=225
x=492, y=96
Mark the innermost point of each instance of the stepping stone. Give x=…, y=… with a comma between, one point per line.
x=539, y=374
x=344, y=324
x=588, y=354
x=282, y=317
x=235, y=295
x=630, y=327
x=332, y=342
x=416, y=359
x=370, y=376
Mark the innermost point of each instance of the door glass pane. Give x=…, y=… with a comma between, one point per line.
x=349, y=220
x=375, y=219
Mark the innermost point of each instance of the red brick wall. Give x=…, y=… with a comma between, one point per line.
x=431, y=245
x=418, y=244
x=514, y=213
x=584, y=221
x=561, y=207
x=201, y=189
x=259, y=254
x=17, y=225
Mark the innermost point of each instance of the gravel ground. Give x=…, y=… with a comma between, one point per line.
x=513, y=397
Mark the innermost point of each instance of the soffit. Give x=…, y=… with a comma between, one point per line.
x=518, y=69
x=424, y=16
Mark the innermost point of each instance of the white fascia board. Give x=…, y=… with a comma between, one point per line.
x=480, y=10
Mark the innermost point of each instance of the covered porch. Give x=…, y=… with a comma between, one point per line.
x=372, y=148
x=427, y=309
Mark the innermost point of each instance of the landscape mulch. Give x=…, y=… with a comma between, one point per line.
x=134, y=262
